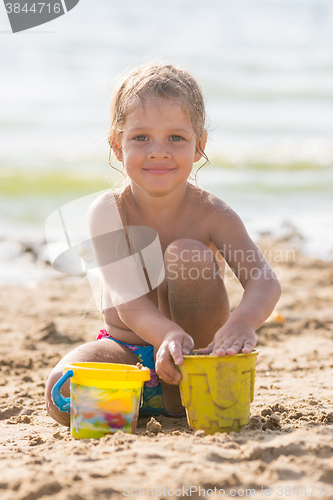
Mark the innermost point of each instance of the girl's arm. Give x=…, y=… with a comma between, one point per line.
x=145, y=319
x=139, y=315
x=261, y=287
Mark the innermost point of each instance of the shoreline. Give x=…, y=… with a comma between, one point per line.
x=24, y=260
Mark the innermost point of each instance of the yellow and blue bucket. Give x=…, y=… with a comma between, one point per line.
x=217, y=391
x=104, y=397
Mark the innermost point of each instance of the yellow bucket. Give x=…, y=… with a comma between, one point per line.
x=104, y=397
x=217, y=391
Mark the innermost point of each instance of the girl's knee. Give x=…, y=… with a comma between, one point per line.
x=186, y=250
x=188, y=259
x=59, y=416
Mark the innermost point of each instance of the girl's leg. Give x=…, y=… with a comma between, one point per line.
x=192, y=295
x=101, y=351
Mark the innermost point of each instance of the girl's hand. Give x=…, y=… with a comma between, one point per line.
x=231, y=339
x=170, y=352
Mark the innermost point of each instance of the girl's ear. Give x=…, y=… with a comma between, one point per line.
x=200, y=146
x=115, y=144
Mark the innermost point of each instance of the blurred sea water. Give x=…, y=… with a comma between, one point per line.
x=266, y=68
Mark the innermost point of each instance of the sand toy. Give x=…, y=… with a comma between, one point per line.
x=104, y=397
x=217, y=391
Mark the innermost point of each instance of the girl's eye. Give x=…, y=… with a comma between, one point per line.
x=140, y=138
x=176, y=138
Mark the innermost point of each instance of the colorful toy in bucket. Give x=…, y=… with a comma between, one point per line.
x=104, y=397
x=217, y=391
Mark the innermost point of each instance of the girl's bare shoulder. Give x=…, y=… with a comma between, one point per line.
x=106, y=199
x=211, y=203
x=105, y=213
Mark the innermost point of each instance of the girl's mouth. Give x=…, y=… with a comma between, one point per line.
x=158, y=171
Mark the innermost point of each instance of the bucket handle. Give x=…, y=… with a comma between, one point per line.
x=58, y=399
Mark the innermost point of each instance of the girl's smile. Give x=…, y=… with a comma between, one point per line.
x=158, y=170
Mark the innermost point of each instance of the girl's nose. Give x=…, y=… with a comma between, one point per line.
x=158, y=150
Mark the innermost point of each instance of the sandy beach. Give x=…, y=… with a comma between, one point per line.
x=285, y=451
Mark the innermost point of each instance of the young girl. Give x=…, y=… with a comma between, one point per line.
x=157, y=133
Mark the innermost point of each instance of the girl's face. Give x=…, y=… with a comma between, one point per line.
x=158, y=146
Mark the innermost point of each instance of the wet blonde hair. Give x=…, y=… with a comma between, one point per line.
x=158, y=80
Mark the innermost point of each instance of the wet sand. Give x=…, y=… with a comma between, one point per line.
x=287, y=446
